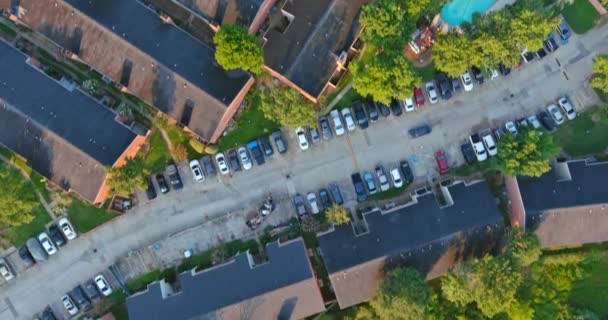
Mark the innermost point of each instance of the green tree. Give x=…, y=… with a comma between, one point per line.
x=237, y=49
x=402, y=296
x=123, y=180
x=452, y=53
x=527, y=153
x=287, y=107
x=17, y=198
x=600, y=73
x=384, y=77
x=530, y=28
x=520, y=311
x=487, y=51
x=524, y=247
x=337, y=214
x=455, y=288
x=386, y=23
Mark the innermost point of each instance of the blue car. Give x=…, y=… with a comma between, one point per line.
x=359, y=187
x=256, y=152
x=564, y=30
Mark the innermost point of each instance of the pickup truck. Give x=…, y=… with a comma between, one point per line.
x=256, y=152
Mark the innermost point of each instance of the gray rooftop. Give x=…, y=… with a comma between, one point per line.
x=283, y=287
x=225, y=11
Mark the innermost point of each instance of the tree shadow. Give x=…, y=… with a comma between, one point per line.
x=163, y=89
x=70, y=40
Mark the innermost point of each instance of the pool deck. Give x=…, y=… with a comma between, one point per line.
x=498, y=5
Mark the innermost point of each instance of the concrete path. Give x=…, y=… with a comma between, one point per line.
x=338, y=97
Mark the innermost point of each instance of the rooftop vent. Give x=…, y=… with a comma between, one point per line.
x=562, y=171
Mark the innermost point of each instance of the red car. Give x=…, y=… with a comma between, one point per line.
x=442, y=162
x=418, y=97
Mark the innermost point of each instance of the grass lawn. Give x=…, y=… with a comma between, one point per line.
x=19, y=235
x=388, y=194
x=250, y=125
x=583, y=135
x=591, y=292
x=7, y=30
x=347, y=99
x=86, y=217
x=141, y=282
x=580, y=15
x=158, y=153
x=470, y=169
x=177, y=136
x=427, y=72
x=204, y=259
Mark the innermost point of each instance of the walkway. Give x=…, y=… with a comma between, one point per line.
x=337, y=98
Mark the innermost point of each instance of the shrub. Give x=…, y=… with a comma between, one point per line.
x=197, y=145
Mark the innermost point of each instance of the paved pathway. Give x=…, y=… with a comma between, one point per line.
x=344, y=90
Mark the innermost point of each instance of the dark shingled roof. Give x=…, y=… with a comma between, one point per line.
x=65, y=135
x=306, y=53
x=282, y=288
x=225, y=11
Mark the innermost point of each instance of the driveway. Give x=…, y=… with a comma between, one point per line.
x=522, y=93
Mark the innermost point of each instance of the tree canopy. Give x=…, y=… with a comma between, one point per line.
x=452, y=53
x=17, y=198
x=123, y=180
x=530, y=28
x=287, y=107
x=237, y=49
x=386, y=23
x=600, y=74
x=524, y=247
x=527, y=153
x=337, y=214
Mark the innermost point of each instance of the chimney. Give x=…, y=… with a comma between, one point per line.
x=165, y=18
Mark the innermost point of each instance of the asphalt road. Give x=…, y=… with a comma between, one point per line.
x=522, y=93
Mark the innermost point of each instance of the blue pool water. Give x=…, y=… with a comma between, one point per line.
x=457, y=11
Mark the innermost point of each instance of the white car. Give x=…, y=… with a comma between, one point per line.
x=408, y=105
x=67, y=229
x=533, y=120
x=103, y=285
x=430, y=89
x=245, y=159
x=302, y=140
x=69, y=305
x=5, y=270
x=348, y=118
x=480, y=150
x=197, y=172
x=337, y=121
x=490, y=145
x=567, y=107
x=382, y=179
x=220, y=159
x=510, y=126
x=46, y=243
x=555, y=114
x=467, y=81
x=396, y=176
x=312, y=201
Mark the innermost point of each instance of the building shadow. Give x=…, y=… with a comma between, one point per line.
x=163, y=89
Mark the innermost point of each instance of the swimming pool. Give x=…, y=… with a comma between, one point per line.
x=457, y=11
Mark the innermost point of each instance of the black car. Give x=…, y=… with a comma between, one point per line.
x=373, y=112
x=528, y=56
x=80, y=298
x=299, y=204
x=279, y=142
x=384, y=110
x=208, y=166
x=408, y=175
x=396, y=108
x=468, y=153
x=359, y=187
x=360, y=115
x=419, y=131
x=504, y=70
x=325, y=128
x=443, y=85
x=541, y=53
x=56, y=236
x=456, y=85
x=547, y=121
x=336, y=195
x=233, y=160
x=266, y=146
x=26, y=256
x=324, y=196
x=174, y=178
x=256, y=152
x=150, y=190
x=551, y=44
x=477, y=74
x=47, y=314
x=162, y=183
x=90, y=289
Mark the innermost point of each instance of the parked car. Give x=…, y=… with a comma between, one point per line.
x=527, y=56
x=56, y=236
x=396, y=177
x=456, y=84
x=197, y=171
x=324, y=198
x=547, y=121
x=359, y=188
x=534, y=122
x=277, y=136
x=419, y=97
x=90, y=289
x=103, y=285
x=26, y=256
x=47, y=314
x=480, y=151
x=444, y=85
x=298, y=203
x=302, y=140
x=69, y=305
x=233, y=160
x=174, y=178
x=266, y=146
x=5, y=270
x=314, y=135
x=222, y=166
x=406, y=170
x=430, y=90
x=312, y=202
x=541, y=53
x=46, y=243
x=551, y=44
x=490, y=145
x=208, y=166
x=504, y=70
x=256, y=152
x=419, y=131
x=555, y=114
x=477, y=75
x=67, y=229
x=245, y=160
x=325, y=129
x=564, y=30
x=36, y=250
x=468, y=153
x=369, y=182
x=522, y=123
x=162, y=183
x=360, y=115
x=408, y=104
x=384, y=109
x=442, y=162
x=336, y=194
x=396, y=108
x=499, y=133
x=337, y=121
x=372, y=111
x=467, y=81
x=150, y=190
x=81, y=299
x=348, y=119
x=382, y=179
x=510, y=126
x=567, y=107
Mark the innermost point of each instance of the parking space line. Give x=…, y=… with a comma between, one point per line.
x=352, y=151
